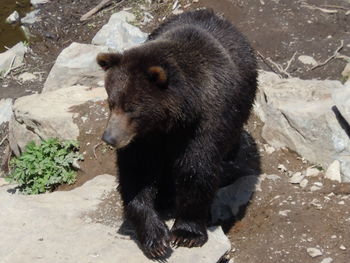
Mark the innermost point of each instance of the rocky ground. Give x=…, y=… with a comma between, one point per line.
x=295, y=214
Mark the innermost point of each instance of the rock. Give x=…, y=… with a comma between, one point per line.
x=269, y=149
x=49, y=115
x=31, y=17
x=12, y=58
x=39, y=2
x=75, y=65
x=5, y=110
x=118, y=34
x=341, y=99
x=300, y=114
x=327, y=260
x=282, y=168
x=333, y=172
x=342, y=247
x=307, y=60
x=284, y=212
x=63, y=223
x=304, y=183
x=312, y=172
x=314, y=188
x=346, y=71
x=296, y=178
x=13, y=18
x=314, y=252
x=230, y=198
x=26, y=76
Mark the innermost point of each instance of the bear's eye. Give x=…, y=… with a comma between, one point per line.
x=128, y=108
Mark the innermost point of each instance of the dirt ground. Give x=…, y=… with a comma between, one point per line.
x=282, y=220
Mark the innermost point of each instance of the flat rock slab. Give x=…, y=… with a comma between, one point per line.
x=307, y=116
x=118, y=34
x=49, y=115
x=12, y=58
x=75, y=65
x=54, y=228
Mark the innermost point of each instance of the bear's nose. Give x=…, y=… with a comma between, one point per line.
x=108, y=138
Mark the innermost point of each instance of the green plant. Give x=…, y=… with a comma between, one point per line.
x=43, y=167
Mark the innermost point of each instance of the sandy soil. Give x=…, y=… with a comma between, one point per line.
x=282, y=220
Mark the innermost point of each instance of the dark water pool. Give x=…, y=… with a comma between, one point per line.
x=11, y=34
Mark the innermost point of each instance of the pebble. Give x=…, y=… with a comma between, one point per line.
x=13, y=18
x=308, y=60
x=341, y=203
x=296, y=178
x=26, y=76
x=314, y=252
x=327, y=260
x=304, y=183
x=282, y=168
x=269, y=149
x=284, y=212
x=319, y=184
x=314, y=188
x=333, y=171
x=312, y=172
x=342, y=247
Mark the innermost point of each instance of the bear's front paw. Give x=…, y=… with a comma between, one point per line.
x=188, y=234
x=155, y=240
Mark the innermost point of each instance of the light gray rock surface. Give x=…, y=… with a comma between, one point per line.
x=12, y=57
x=75, y=65
x=5, y=110
x=49, y=115
x=118, y=34
x=31, y=17
x=301, y=115
x=13, y=18
x=333, y=171
x=57, y=227
x=39, y=2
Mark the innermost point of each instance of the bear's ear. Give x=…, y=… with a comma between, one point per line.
x=108, y=60
x=158, y=75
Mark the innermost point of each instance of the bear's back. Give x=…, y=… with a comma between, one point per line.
x=219, y=28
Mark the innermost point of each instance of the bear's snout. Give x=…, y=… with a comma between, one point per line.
x=119, y=131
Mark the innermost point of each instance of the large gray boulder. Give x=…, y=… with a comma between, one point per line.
x=5, y=110
x=118, y=34
x=76, y=65
x=306, y=116
x=49, y=115
x=61, y=227
x=12, y=58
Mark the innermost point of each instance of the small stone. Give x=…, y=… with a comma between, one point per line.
x=284, y=212
x=304, y=183
x=319, y=184
x=38, y=2
x=282, y=168
x=13, y=18
x=31, y=17
x=314, y=252
x=341, y=202
x=177, y=11
x=333, y=236
x=5, y=110
x=307, y=60
x=269, y=149
x=314, y=188
x=312, y=172
x=327, y=260
x=342, y=247
x=296, y=178
x=26, y=76
x=333, y=171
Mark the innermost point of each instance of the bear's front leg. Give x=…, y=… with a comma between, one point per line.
x=138, y=173
x=196, y=185
x=152, y=233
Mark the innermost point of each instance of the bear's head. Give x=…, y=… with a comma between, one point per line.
x=142, y=96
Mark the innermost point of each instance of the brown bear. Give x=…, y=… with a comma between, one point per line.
x=177, y=103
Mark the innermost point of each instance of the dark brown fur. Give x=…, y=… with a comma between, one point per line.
x=186, y=93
